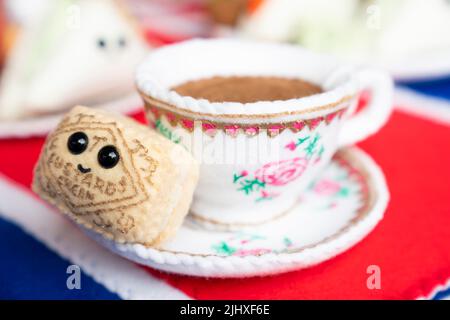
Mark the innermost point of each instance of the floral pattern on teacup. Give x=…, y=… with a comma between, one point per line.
x=232, y=129
x=166, y=132
x=250, y=185
x=310, y=144
x=280, y=173
x=277, y=174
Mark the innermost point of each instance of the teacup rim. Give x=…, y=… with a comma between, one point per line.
x=318, y=104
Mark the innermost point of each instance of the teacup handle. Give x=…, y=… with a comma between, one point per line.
x=369, y=120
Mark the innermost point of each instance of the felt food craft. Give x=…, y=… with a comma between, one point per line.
x=116, y=177
x=75, y=52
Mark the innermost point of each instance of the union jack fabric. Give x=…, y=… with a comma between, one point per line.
x=411, y=244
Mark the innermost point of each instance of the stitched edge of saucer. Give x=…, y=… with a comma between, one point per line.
x=233, y=266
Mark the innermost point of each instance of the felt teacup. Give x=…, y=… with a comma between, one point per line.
x=257, y=158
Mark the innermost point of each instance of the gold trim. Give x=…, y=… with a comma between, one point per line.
x=174, y=109
x=154, y=113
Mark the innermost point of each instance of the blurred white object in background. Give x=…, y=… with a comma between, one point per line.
x=24, y=11
x=279, y=19
x=76, y=52
x=418, y=26
x=410, y=38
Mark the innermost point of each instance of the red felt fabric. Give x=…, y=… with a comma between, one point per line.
x=411, y=245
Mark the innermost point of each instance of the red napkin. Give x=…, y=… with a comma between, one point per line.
x=411, y=246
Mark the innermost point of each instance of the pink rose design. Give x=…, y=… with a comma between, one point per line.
x=327, y=187
x=281, y=172
x=291, y=146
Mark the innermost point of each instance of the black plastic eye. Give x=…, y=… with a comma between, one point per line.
x=108, y=157
x=122, y=42
x=101, y=43
x=77, y=142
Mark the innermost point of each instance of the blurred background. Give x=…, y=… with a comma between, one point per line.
x=57, y=53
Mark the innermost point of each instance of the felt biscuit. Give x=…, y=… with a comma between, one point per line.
x=116, y=177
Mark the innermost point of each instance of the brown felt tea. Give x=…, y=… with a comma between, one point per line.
x=247, y=89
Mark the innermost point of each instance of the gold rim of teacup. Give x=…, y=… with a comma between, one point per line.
x=337, y=105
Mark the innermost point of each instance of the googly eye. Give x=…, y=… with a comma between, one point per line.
x=77, y=142
x=108, y=157
x=101, y=43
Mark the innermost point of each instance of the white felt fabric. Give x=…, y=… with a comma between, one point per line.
x=77, y=52
x=194, y=250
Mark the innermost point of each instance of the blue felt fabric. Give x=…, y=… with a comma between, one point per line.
x=438, y=87
x=443, y=295
x=29, y=270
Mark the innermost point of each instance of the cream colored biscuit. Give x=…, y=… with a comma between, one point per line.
x=116, y=177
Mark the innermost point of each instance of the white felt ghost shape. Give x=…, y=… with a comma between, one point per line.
x=79, y=51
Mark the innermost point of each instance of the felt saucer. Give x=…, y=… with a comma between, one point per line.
x=338, y=210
